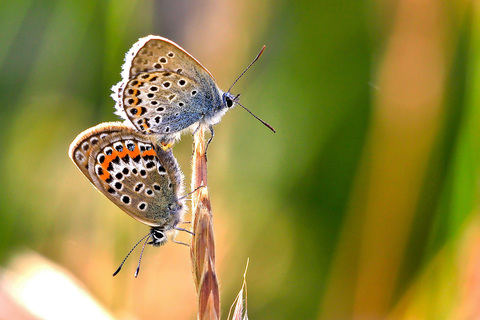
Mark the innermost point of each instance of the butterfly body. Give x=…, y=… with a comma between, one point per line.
x=127, y=167
x=165, y=91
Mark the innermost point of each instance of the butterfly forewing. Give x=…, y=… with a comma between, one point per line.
x=126, y=168
x=154, y=53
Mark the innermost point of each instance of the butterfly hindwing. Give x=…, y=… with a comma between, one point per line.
x=124, y=165
x=163, y=102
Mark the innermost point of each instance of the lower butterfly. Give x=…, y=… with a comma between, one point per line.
x=141, y=179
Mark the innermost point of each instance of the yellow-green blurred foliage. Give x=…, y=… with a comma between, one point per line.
x=363, y=205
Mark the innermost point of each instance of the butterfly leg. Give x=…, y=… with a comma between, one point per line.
x=196, y=129
x=211, y=137
x=182, y=229
x=179, y=242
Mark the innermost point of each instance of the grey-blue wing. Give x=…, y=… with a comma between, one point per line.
x=166, y=102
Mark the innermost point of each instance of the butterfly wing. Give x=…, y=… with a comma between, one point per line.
x=164, y=89
x=124, y=165
x=164, y=102
x=154, y=53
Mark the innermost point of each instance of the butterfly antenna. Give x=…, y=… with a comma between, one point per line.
x=141, y=254
x=181, y=198
x=128, y=254
x=256, y=58
x=264, y=123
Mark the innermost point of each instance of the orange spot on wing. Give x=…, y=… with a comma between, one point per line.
x=105, y=175
x=139, y=109
x=134, y=153
x=108, y=160
x=124, y=152
x=150, y=152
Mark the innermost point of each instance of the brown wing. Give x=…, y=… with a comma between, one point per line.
x=125, y=167
x=154, y=53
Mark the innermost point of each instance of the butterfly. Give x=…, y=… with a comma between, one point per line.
x=142, y=179
x=165, y=91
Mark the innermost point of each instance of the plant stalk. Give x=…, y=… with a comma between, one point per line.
x=202, y=248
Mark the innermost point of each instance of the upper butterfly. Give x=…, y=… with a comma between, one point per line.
x=164, y=90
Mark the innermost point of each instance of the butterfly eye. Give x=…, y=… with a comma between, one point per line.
x=157, y=235
x=229, y=102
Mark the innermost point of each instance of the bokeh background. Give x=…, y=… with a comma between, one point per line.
x=363, y=205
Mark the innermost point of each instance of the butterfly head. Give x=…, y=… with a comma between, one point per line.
x=158, y=236
x=229, y=100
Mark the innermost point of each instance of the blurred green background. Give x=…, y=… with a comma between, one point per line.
x=363, y=205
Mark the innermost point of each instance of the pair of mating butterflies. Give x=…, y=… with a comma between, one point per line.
x=164, y=92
